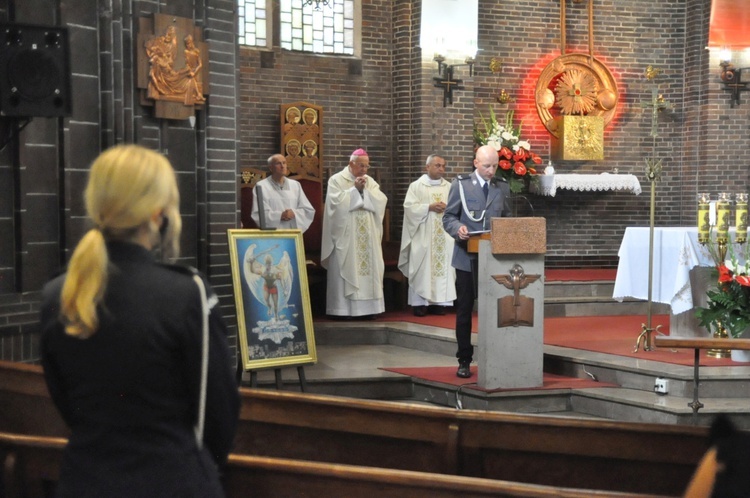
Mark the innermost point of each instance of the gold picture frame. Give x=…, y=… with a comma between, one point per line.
x=272, y=299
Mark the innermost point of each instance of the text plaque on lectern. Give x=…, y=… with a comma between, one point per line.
x=511, y=303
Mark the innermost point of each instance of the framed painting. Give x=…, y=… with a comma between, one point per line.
x=272, y=298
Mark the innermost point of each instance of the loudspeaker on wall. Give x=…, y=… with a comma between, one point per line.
x=34, y=71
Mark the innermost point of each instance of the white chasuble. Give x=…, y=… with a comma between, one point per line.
x=352, y=249
x=277, y=199
x=426, y=249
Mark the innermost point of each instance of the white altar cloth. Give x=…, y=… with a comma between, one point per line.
x=676, y=252
x=549, y=184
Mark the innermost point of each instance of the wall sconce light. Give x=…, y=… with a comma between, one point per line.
x=731, y=77
x=445, y=78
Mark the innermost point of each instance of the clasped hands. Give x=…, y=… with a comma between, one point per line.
x=360, y=182
x=287, y=215
x=437, y=207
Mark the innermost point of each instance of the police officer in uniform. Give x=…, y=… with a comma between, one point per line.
x=122, y=345
x=473, y=201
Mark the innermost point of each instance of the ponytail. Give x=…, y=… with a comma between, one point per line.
x=85, y=284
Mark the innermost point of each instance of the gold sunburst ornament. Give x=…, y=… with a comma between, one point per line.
x=576, y=92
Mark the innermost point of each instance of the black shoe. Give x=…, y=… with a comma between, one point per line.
x=436, y=310
x=464, y=370
x=419, y=310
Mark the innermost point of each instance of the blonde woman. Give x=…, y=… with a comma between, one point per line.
x=121, y=345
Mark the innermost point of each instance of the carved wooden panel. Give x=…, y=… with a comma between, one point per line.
x=172, y=65
x=301, y=144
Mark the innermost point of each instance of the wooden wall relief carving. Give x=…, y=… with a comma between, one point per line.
x=172, y=66
x=301, y=133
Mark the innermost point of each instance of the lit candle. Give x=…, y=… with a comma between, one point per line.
x=704, y=221
x=741, y=216
x=722, y=216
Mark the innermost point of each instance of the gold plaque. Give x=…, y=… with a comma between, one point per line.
x=579, y=138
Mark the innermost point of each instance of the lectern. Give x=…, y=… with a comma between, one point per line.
x=511, y=303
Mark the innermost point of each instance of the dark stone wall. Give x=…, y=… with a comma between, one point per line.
x=43, y=169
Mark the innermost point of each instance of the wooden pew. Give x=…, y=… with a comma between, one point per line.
x=31, y=464
x=25, y=404
x=284, y=478
x=534, y=449
x=31, y=467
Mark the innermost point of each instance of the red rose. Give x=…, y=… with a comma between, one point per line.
x=504, y=164
x=535, y=158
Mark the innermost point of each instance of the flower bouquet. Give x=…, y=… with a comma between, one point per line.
x=729, y=303
x=517, y=163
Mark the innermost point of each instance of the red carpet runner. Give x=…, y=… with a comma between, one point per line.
x=447, y=375
x=603, y=334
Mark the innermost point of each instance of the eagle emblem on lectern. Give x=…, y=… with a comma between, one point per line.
x=515, y=310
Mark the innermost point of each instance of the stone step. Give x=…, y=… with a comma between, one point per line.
x=721, y=389
x=598, y=288
x=593, y=306
x=592, y=298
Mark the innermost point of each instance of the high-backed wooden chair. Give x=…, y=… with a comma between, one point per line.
x=250, y=176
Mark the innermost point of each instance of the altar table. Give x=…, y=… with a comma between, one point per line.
x=549, y=184
x=676, y=280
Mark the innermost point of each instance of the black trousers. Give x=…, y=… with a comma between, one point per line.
x=466, y=293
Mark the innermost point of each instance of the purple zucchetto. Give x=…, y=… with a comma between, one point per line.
x=360, y=152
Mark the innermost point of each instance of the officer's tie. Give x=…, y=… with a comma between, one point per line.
x=486, y=189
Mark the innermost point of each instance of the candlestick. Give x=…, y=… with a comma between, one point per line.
x=723, y=207
x=704, y=224
x=741, y=217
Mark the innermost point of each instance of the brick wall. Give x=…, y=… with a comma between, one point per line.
x=586, y=228
x=357, y=107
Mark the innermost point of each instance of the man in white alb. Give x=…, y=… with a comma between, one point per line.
x=284, y=202
x=352, y=249
x=426, y=250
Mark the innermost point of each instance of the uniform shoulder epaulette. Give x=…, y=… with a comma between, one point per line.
x=461, y=177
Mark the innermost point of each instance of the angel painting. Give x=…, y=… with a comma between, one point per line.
x=271, y=284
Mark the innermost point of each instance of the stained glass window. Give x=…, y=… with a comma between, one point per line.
x=325, y=29
x=253, y=23
x=314, y=27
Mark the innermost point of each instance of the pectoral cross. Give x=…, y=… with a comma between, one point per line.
x=448, y=83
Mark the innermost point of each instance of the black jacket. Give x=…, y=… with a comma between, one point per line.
x=130, y=392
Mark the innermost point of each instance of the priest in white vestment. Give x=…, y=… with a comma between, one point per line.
x=352, y=249
x=284, y=202
x=426, y=249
